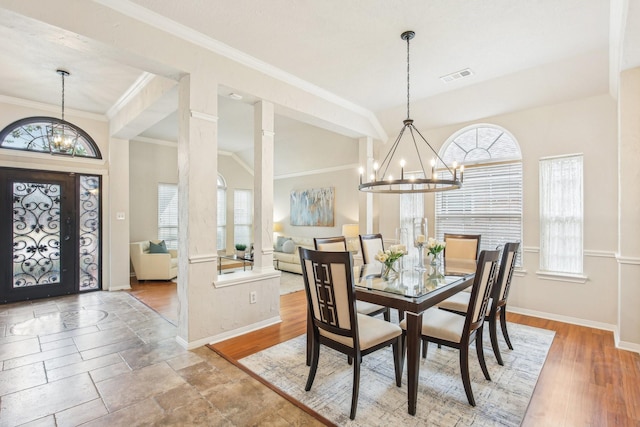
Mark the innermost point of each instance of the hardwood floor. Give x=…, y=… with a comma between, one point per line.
x=585, y=381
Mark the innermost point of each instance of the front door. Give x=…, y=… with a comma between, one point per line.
x=49, y=242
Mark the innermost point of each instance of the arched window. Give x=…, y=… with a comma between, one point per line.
x=222, y=214
x=49, y=135
x=490, y=200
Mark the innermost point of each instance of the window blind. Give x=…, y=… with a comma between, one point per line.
x=221, y=237
x=168, y=214
x=489, y=203
x=242, y=216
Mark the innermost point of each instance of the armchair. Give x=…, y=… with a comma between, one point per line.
x=153, y=266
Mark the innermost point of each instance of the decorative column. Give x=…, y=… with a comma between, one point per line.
x=365, y=159
x=629, y=210
x=200, y=306
x=263, y=186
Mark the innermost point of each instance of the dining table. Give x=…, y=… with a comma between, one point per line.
x=412, y=291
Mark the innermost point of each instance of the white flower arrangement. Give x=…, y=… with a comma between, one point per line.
x=435, y=246
x=391, y=255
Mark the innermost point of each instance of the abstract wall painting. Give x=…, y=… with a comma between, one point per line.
x=313, y=207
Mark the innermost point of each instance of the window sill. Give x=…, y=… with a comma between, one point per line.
x=562, y=277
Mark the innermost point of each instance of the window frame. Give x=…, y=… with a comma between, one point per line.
x=544, y=271
x=505, y=212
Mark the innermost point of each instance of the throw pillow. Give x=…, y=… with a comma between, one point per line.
x=279, y=242
x=288, y=247
x=158, y=248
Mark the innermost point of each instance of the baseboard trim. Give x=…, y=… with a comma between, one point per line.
x=190, y=345
x=564, y=319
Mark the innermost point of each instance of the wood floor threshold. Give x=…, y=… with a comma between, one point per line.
x=288, y=397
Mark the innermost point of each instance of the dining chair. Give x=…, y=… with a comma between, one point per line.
x=338, y=244
x=331, y=302
x=452, y=330
x=330, y=244
x=497, y=307
x=370, y=245
x=459, y=249
x=461, y=246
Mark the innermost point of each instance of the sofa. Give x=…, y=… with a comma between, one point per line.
x=153, y=266
x=286, y=255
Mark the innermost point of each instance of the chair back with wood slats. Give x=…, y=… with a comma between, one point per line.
x=481, y=289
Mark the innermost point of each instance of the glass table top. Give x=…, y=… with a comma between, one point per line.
x=408, y=282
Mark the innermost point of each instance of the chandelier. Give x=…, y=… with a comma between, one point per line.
x=439, y=177
x=62, y=137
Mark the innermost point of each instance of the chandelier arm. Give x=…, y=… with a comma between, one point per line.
x=434, y=151
x=387, y=159
x=415, y=144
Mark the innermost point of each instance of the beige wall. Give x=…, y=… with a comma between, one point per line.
x=151, y=164
x=587, y=126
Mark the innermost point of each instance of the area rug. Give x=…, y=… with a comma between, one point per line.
x=290, y=282
x=441, y=397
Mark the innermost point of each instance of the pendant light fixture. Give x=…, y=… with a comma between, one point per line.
x=439, y=177
x=62, y=137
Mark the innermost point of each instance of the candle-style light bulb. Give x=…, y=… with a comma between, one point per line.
x=361, y=170
x=461, y=172
x=455, y=170
x=375, y=170
x=402, y=163
x=433, y=166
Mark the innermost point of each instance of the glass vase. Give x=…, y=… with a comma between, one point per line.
x=402, y=238
x=420, y=240
x=389, y=270
x=435, y=266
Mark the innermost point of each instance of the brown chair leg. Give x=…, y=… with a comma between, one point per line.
x=314, y=364
x=425, y=343
x=400, y=315
x=480, y=352
x=356, y=386
x=464, y=370
x=387, y=315
x=494, y=338
x=503, y=325
x=398, y=360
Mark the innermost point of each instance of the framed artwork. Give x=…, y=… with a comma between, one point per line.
x=313, y=207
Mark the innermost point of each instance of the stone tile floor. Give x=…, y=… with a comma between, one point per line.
x=106, y=359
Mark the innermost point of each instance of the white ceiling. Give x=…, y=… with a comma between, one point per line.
x=524, y=52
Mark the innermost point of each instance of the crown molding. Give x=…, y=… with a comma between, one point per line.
x=137, y=86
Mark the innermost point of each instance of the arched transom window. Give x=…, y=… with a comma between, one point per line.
x=49, y=135
x=490, y=200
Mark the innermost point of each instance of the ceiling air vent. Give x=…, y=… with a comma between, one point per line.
x=457, y=75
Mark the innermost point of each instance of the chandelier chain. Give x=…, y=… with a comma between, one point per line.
x=62, y=75
x=408, y=74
